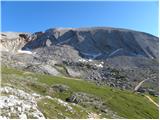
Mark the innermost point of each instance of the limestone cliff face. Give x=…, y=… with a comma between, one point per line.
x=12, y=41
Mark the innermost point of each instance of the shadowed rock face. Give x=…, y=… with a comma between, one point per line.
x=98, y=43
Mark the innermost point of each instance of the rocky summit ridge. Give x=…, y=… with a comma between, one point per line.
x=94, y=43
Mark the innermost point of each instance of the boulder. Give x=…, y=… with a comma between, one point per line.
x=49, y=70
x=73, y=73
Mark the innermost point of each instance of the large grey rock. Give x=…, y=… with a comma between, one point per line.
x=73, y=73
x=49, y=70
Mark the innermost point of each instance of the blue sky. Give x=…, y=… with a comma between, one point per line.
x=38, y=16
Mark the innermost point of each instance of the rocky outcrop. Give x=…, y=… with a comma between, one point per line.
x=19, y=104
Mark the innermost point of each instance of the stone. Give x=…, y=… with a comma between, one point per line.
x=11, y=109
x=48, y=42
x=19, y=109
x=36, y=95
x=3, y=117
x=104, y=110
x=112, y=85
x=6, y=100
x=9, y=114
x=151, y=92
x=23, y=116
x=141, y=90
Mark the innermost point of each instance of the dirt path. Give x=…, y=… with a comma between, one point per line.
x=139, y=85
x=151, y=100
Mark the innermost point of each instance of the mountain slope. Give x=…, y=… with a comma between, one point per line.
x=79, y=73
x=115, y=57
x=51, y=93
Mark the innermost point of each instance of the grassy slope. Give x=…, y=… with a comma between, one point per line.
x=124, y=103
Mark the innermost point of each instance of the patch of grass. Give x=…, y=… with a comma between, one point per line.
x=63, y=95
x=150, y=85
x=6, y=70
x=39, y=88
x=132, y=106
x=52, y=109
